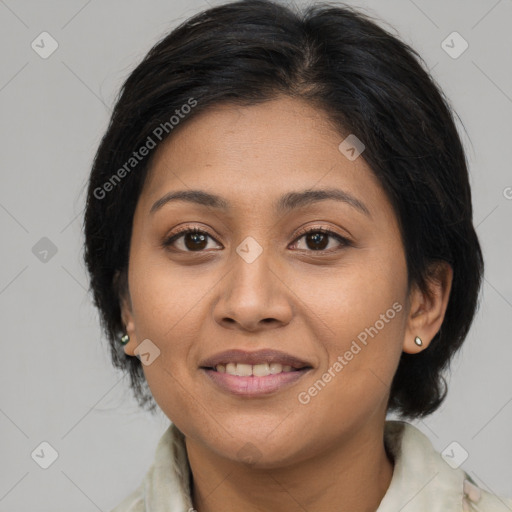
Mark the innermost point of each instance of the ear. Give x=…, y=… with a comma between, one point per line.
x=427, y=309
x=121, y=284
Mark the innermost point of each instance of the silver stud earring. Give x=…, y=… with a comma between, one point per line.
x=125, y=339
x=418, y=341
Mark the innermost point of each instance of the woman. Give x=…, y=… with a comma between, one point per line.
x=280, y=243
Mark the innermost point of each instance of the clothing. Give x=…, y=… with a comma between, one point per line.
x=422, y=480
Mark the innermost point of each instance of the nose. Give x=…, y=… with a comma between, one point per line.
x=253, y=295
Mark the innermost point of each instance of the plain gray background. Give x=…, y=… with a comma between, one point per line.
x=57, y=382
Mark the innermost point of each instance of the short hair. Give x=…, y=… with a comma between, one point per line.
x=368, y=83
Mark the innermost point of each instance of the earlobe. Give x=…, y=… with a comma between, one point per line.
x=428, y=308
x=128, y=340
x=129, y=343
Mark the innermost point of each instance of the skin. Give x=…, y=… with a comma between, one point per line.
x=327, y=454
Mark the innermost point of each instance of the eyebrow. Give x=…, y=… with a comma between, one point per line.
x=286, y=203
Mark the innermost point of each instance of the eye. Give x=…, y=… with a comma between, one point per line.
x=317, y=239
x=192, y=240
x=196, y=240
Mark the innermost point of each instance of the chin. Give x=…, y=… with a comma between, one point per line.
x=257, y=453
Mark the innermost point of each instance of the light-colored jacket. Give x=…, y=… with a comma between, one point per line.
x=423, y=481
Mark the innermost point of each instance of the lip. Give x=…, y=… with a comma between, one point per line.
x=253, y=386
x=259, y=356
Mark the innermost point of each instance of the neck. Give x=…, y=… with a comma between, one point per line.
x=352, y=476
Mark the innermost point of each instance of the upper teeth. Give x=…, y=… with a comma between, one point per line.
x=258, y=370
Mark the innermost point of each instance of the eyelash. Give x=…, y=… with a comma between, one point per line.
x=167, y=243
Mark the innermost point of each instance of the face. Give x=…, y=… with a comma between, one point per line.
x=309, y=287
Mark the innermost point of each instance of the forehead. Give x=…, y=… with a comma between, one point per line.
x=280, y=145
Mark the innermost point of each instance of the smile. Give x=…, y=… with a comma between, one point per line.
x=253, y=373
x=258, y=370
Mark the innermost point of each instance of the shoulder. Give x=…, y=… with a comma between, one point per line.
x=166, y=485
x=424, y=479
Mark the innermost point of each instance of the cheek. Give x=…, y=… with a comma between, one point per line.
x=168, y=306
x=359, y=316
x=345, y=302
x=164, y=296
x=354, y=383
x=167, y=316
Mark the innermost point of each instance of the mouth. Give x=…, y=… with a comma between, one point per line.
x=257, y=370
x=254, y=373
